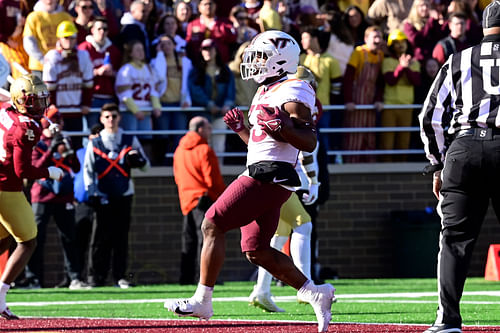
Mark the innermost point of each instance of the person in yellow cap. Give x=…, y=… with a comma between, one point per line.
x=401, y=73
x=39, y=35
x=68, y=74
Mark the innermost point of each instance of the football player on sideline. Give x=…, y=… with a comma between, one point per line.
x=280, y=126
x=20, y=131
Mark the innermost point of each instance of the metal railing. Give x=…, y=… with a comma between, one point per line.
x=323, y=130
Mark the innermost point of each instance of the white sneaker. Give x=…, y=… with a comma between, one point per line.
x=443, y=328
x=79, y=285
x=321, y=298
x=301, y=301
x=190, y=308
x=263, y=301
x=124, y=284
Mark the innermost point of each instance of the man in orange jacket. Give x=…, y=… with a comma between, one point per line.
x=199, y=182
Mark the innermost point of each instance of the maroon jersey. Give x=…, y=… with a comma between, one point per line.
x=18, y=135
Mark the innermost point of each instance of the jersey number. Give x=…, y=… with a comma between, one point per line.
x=141, y=92
x=263, y=135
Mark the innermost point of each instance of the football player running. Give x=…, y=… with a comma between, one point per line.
x=281, y=125
x=293, y=216
x=20, y=131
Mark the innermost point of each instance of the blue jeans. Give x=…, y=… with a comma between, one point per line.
x=171, y=120
x=129, y=122
x=324, y=122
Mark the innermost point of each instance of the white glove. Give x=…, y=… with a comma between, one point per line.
x=55, y=173
x=312, y=196
x=54, y=128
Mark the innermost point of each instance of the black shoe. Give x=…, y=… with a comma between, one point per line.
x=63, y=284
x=443, y=328
x=95, y=282
x=28, y=283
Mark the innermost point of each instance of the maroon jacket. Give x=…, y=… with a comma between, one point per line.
x=223, y=33
x=104, y=86
x=423, y=41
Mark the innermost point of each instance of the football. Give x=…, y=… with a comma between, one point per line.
x=275, y=135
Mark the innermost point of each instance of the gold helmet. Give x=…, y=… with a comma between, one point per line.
x=30, y=95
x=305, y=74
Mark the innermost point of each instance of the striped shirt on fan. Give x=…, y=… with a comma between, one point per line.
x=465, y=94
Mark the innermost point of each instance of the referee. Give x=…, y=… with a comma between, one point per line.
x=459, y=124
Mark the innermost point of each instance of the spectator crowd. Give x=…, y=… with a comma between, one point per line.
x=145, y=55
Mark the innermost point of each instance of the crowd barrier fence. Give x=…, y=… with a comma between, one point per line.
x=330, y=130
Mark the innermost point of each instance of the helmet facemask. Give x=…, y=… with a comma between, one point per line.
x=33, y=104
x=30, y=95
x=271, y=54
x=255, y=64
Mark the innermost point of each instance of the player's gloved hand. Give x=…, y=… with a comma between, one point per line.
x=54, y=128
x=55, y=173
x=270, y=119
x=312, y=196
x=234, y=120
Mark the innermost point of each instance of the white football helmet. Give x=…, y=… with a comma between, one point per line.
x=271, y=53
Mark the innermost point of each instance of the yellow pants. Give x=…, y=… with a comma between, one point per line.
x=16, y=217
x=395, y=140
x=292, y=214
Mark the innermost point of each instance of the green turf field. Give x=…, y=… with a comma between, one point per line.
x=359, y=300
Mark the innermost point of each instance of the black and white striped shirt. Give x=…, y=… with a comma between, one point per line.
x=465, y=94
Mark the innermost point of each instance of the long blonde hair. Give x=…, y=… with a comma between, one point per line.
x=413, y=18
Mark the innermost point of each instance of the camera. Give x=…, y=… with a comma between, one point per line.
x=57, y=140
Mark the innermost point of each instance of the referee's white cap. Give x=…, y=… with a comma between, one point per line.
x=491, y=15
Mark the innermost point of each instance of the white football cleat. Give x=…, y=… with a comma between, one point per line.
x=321, y=299
x=190, y=308
x=263, y=301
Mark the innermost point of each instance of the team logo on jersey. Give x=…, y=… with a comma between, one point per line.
x=30, y=134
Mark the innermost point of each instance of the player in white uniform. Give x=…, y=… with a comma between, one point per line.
x=294, y=217
x=281, y=126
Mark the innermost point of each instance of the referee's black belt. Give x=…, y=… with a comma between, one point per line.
x=479, y=133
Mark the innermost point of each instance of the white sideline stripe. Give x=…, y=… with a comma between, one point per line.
x=356, y=298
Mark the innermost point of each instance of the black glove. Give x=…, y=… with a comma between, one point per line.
x=134, y=159
x=56, y=141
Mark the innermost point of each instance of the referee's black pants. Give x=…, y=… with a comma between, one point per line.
x=471, y=176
